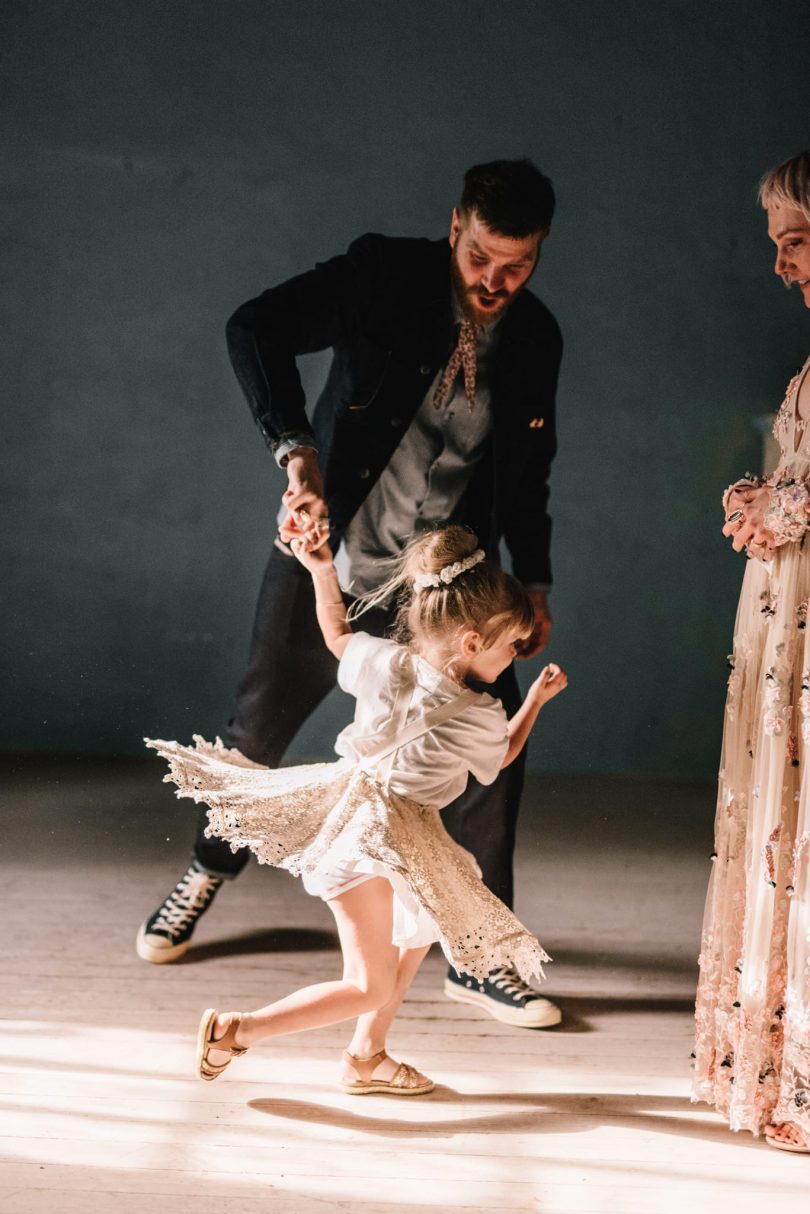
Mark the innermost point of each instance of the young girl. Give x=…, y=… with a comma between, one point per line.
x=364, y=833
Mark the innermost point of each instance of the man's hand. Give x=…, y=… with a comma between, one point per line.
x=746, y=507
x=307, y=514
x=542, y=626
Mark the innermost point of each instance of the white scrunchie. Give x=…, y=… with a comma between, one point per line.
x=446, y=575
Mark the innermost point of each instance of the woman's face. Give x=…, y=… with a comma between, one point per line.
x=790, y=232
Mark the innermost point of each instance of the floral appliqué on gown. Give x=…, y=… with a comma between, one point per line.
x=752, y=1052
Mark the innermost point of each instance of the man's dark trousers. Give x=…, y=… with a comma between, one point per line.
x=289, y=673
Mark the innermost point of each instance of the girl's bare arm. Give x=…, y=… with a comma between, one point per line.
x=549, y=683
x=329, y=606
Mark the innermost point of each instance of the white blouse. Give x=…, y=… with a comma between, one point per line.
x=431, y=769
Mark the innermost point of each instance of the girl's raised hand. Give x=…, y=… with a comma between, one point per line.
x=310, y=550
x=549, y=683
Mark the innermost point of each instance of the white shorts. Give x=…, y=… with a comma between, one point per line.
x=337, y=881
x=412, y=926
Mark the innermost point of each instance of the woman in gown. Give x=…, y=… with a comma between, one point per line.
x=753, y=1003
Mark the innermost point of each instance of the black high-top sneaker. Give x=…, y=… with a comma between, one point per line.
x=166, y=935
x=504, y=995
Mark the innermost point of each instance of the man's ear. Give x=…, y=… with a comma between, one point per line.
x=455, y=227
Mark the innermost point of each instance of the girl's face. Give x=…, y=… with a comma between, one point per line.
x=485, y=664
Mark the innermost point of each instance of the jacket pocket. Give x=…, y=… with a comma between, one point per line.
x=365, y=368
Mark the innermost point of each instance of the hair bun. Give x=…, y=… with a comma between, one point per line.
x=432, y=551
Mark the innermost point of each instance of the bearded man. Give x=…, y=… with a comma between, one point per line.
x=439, y=406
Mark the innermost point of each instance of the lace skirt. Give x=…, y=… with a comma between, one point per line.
x=315, y=819
x=753, y=1003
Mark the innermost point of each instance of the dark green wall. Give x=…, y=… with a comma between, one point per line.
x=164, y=161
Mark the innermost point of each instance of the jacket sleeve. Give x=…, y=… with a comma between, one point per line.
x=313, y=311
x=527, y=523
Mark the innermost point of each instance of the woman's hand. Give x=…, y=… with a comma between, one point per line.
x=746, y=506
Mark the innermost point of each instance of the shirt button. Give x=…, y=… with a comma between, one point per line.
x=396, y=422
x=364, y=474
x=424, y=369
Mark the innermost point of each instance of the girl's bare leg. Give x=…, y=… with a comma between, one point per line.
x=371, y=1030
x=364, y=921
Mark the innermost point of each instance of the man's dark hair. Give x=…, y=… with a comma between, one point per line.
x=512, y=197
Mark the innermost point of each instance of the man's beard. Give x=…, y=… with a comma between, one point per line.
x=467, y=295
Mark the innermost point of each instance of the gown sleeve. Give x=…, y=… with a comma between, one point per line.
x=788, y=513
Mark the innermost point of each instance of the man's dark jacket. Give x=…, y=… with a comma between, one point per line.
x=385, y=309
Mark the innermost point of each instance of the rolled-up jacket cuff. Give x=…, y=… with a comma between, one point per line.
x=288, y=443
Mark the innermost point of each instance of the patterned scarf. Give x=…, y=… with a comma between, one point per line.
x=462, y=356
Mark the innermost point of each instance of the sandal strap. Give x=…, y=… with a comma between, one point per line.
x=225, y=1043
x=364, y=1068
x=406, y=1076
x=228, y=1040
x=211, y=1070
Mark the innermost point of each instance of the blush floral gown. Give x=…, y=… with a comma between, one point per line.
x=753, y=1003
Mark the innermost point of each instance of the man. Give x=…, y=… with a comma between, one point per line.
x=439, y=405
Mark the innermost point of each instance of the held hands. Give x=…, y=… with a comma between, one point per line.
x=307, y=514
x=310, y=549
x=746, y=504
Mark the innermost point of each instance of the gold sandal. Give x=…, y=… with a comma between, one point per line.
x=785, y=1144
x=205, y=1043
x=404, y=1082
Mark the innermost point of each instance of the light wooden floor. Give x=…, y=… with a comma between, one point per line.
x=99, y=1110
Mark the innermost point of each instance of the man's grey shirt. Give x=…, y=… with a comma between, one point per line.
x=425, y=478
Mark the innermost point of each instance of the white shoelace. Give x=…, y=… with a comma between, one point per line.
x=510, y=982
x=182, y=904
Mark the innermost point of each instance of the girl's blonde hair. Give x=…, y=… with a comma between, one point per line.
x=483, y=598
x=788, y=185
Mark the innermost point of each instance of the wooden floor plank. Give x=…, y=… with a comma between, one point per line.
x=99, y=1110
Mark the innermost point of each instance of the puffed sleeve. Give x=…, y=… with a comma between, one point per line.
x=366, y=660
x=479, y=736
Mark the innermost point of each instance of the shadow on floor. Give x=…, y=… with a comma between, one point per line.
x=567, y=1113
x=267, y=940
x=629, y=959
x=583, y=1006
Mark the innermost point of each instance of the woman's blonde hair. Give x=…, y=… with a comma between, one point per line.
x=788, y=185
x=482, y=598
